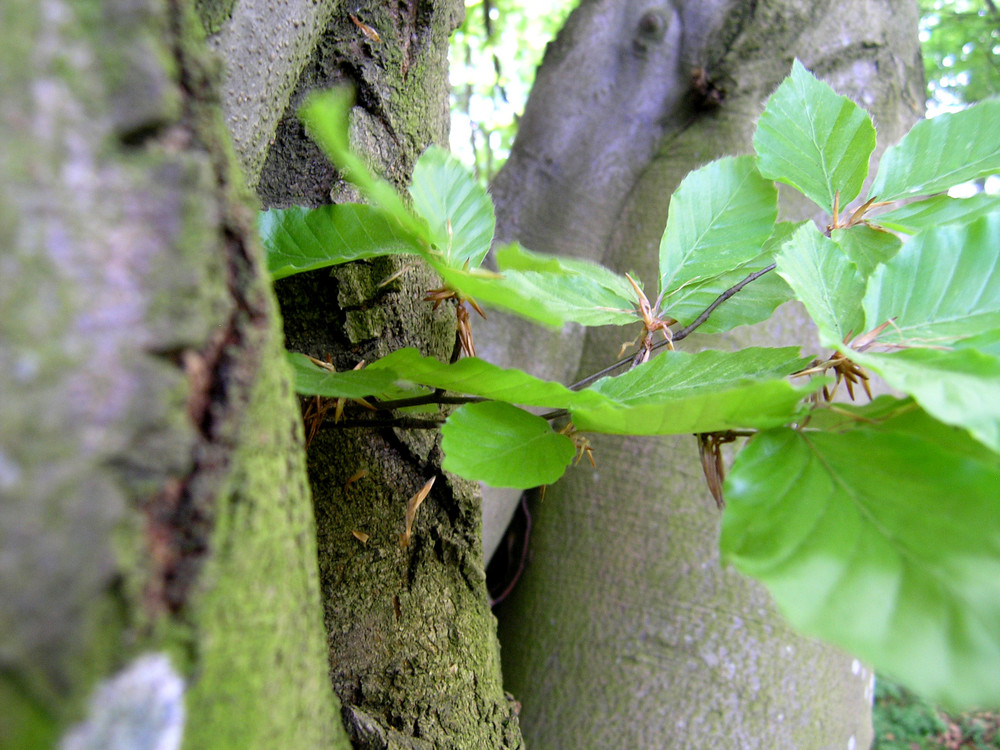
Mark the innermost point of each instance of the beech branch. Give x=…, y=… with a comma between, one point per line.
x=683, y=333
x=438, y=397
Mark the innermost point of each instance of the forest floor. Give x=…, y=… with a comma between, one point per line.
x=904, y=721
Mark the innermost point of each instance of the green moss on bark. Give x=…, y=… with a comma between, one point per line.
x=214, y=13
x=262, y=678
x=150, y=452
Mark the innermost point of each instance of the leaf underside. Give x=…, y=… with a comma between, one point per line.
x=884, y=539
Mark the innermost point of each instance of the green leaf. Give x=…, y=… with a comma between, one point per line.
x=458, y=211
x=752, y=304
x=720, y=216
x=814, y=140
x=326, y=116
x=674, y=393
x=942, y=152
x=513, y=257
x=987, y=343
x=477, y=377
x=303, y=239
x=826, y=282
x=943, y=285
x=959, y=387
x=936, y=211
x=896, y=559
x=839, y=416
x=866, y=247
x=680, y=392
x=312, y=380
x=546, y=299
x=565, y=290
x=504, y=446
x=576, y=290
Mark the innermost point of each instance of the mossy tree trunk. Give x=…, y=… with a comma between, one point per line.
x=158, y=573
x=412, y=641
x=625, y=630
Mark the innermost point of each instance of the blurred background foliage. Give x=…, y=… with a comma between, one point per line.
x=493, y=60
x=494, y=55
x=961, y=45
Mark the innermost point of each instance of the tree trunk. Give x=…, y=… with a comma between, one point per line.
x=413, y=649
x=158, y=575
x=625, y=631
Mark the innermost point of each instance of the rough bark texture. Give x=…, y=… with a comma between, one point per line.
x=626, y=631
x=413, y=651
x=158, y=575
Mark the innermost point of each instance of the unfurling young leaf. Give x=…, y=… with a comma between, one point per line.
x=720, y=216
x=301, y=239
x=943, y=285
x=313, y=380
x=708, y=391
x=814, y=140
x=866, y=247
x=941, y=289
x=476, y=377
x=825, y=281
x=752, y=304
x=327, y=118
x=937, y=211
x=960, y=387
x=457, y=209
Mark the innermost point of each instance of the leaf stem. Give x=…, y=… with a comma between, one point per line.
x=438, y=397
x=678, y=335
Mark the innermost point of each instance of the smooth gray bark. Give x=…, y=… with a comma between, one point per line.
x=625, y=630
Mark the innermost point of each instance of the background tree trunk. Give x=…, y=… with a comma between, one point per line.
x=625, y=631
x=158, y=575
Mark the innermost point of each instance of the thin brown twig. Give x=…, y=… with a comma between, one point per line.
x=438, y=397
x=678, y=335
